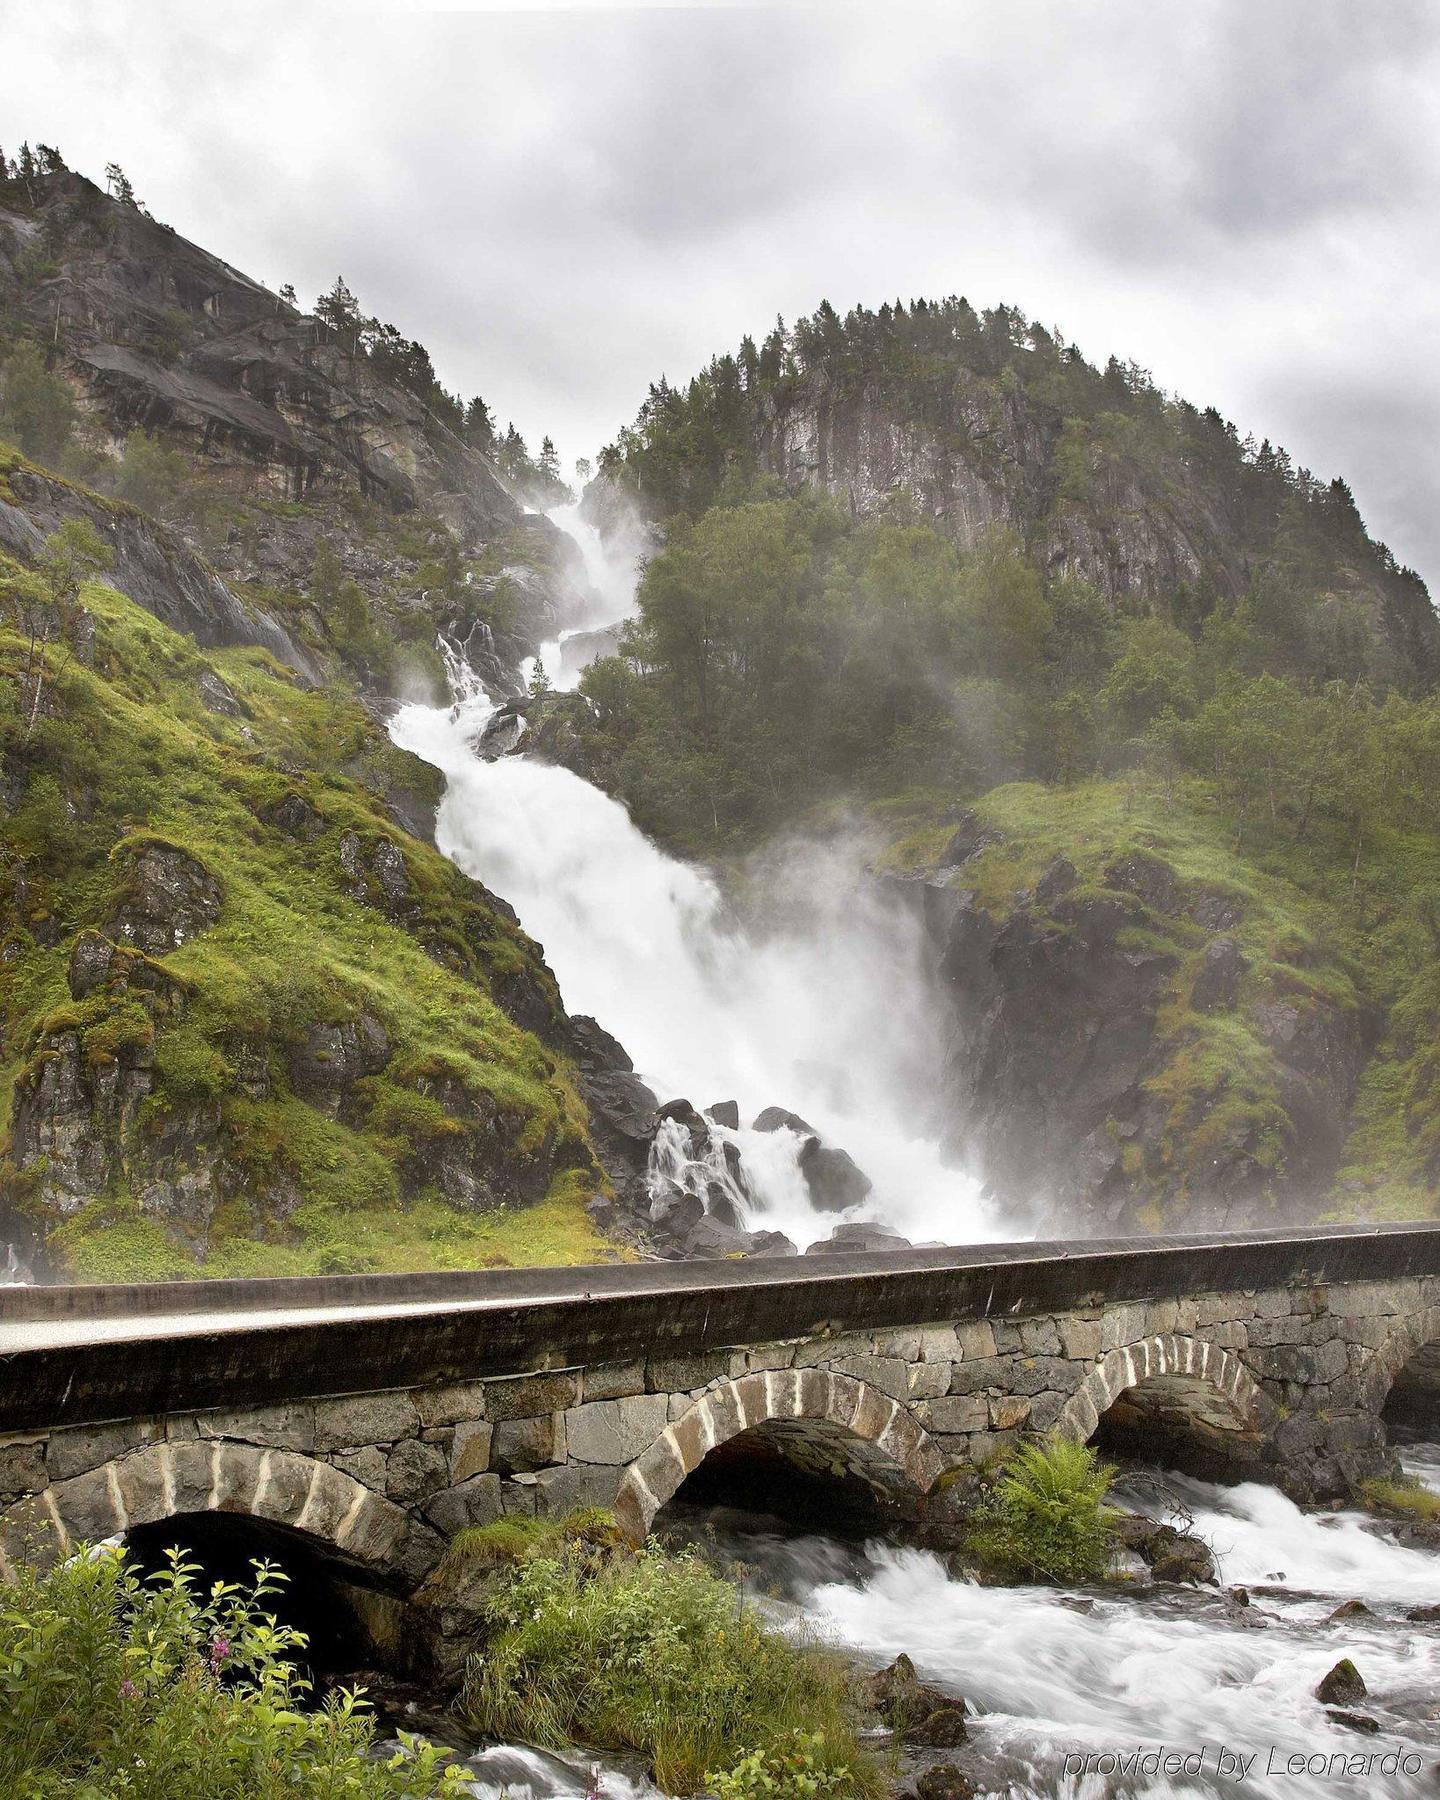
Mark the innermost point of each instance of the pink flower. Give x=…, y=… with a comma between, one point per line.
x=219, y=1650
x=128, y=1689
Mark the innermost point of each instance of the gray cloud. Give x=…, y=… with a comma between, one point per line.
x=564, y=204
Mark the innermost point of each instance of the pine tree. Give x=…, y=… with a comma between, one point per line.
x=339, y=310
x=118, y=183
x=479, y=425
x=288, y=295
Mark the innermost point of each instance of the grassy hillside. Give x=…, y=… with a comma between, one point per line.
x=249, y=1022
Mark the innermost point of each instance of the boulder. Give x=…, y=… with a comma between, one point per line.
x=725, y=1112
x=835, y=1180
x=216, y=695
x=1170, y=1555
x=945, y=1782
x=676, y=1212
x=777, y=1118
x=170, y=896
x=1353, y=1721
x=852, y=1237
x=1343, y=1686
x=296, y=817
x=919, y=1714
x=770, y=1243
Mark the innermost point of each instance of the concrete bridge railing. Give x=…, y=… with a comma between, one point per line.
x=375, y=1416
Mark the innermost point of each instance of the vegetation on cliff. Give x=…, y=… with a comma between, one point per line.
x=249, y=1021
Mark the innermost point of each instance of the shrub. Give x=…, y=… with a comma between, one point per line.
x=1045, y=1518
x=110, y=1686
x=657, y=1654
x=792, y=1770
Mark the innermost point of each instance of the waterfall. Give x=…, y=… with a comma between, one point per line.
x=826, y=1009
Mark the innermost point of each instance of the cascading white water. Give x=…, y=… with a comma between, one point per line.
x=1053, y=1675
x=610, y=573
x=828, y=1012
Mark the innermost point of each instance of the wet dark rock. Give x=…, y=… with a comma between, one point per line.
x=1218, y=980
x=1170, y=1555
x=972, y=836
x=857, y=1236
x=944, y=1781
x=777, y=1118
x=502, y=731
x=835, y=1180
x=1424, y=1615
x=596, y=1048
x=676, y=1212
x=170, y=896
x=1343, y=1686
x=625, y=1109
x=918, y=1713
x=1351, y=1609
x=1353, y=1721
x=770, y=1243
x=710, y=1237
x=296, y=817
x=727, y=1113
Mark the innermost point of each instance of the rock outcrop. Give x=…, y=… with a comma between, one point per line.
x=1078, y=1087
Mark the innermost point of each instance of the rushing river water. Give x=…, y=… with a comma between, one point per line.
x=826, y=1011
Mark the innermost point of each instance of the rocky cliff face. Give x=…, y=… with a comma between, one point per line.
x=290, y=439
x=1141, y=528
x=158, y=333
x=1128, y=1050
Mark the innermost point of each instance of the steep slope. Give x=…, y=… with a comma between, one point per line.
x=248, y=1021
x=314, y=458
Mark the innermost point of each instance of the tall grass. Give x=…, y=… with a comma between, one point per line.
x=655, y=1653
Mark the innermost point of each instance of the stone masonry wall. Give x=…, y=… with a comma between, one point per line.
x=1293, y=1380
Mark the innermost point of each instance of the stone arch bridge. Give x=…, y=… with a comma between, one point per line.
x=374, y=1416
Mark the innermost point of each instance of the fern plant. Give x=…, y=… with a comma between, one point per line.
x=1046, y=1519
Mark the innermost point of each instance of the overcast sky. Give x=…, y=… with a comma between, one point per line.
x=563, y=203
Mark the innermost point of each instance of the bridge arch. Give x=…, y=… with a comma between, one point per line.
x=308, y=1498
x=1403, y=1382
x=875, y=1435
x=1180, y=1395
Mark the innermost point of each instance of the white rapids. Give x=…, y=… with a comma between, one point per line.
x=826, y=1012
x=1054, y=1677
